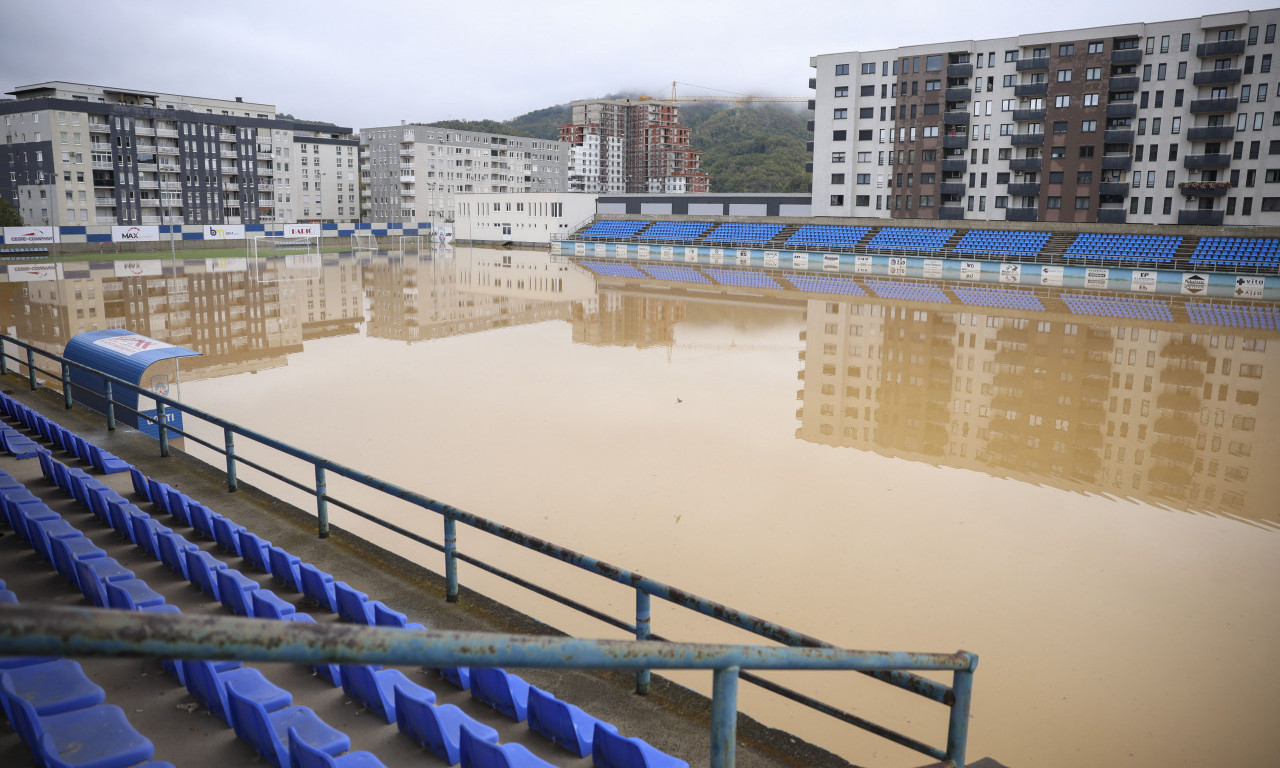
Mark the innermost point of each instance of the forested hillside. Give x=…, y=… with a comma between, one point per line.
x=747, y=148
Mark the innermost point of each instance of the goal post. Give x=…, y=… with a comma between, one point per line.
x=410, y=242
x=364, y=242
x=266, y=254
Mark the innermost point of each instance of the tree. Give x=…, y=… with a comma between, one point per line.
x=9, y=216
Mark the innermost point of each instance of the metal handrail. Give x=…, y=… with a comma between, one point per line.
x=956, y=697
x=44, y=630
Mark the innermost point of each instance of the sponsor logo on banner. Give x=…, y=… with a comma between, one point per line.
x=744, y=257
x=148, y=234
x=668, y=253
x=1142, y=280
x=970, y=270
x=1096, y=277
x=1249, y=287
x=30, y=235
x=691, y=254
x=620, y=250
x=717, y=256
x=1010, y=273
x=861, y=264
x=771, y=259
x=226, y=265
x=1051, y=275
x=642, y=252
x=131, y=345
x=932, y=268
x=138, y=268
x=602, y=249
x=831, y=262
x=579, y=249
x=897, y=265
x=33, y=273
x=160, y=384
x=1193, y=283
x=302, y=230
x=799, y=261
x=224, y=232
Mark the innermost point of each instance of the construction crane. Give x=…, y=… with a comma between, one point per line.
x=740, y=98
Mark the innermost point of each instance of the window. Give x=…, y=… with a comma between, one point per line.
x=841, y=114
x=1082, y=203
x=1164, y=44
x=1057, y=153
x=1086, y=151
x=933, y=85
x=933, y=63
x=1054, y=202
x=1271, y=34
x=837, y=200
x=864, y=157
x=1010, y=81
x=837, y=157
x=843, y=69
x=1177, y=98
x=1084, y=178
x=1008, y=105
x=1091, y=99
x=1059, y=126
x=1262, y=92
x=837, y=178
x=1253, y=35
x=839, y=135
x=1155, y=126
x=1257, y=126
x=930, y=131
x=1093, y=73
x=1185, y=43
x=1146, y=73
x=863, y=178
x=1055, y=177
x=1089, y=126
x=1162, y=71
x=926, y=201
x=1067, y=49
x=866, y=113
x=1265, y=66
x=1062, y=101
x=1010, y=55
x=1245, y=92
x=1064, y=75
x=843, y=90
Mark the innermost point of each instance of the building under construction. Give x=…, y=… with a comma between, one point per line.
x=631, y=145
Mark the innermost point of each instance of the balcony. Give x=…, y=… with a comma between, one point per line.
x=1032, y=188
x=144, y=130
x=1216, y=77
x=163, y=150
x=1204, y=188
x=1213, y=106
x=169, y=168
x=1198, y=162
x=167, y=133
x=958, y=141
x=171, y=186
x=1116, y=162
x=1113, y=188
x=959, y=94
x=1211, y=133
x=1126, y=56
x=1111, y=215
x=266, y=170
x=959, y=70
x=1123, y=83
x=956, y=118
x=1194, y=218
x=1020, y=214
x=146, y=149
x=1118, y=137
x=230, y=186
x=105, y=219
x=1122, y=109
x=102, y=165
x=407, y=178
x=104, y=202
x=406, y=152
x=1220, y=48
x=1032, y=65
x=951, y=212
x=227, y=154
x=1023, y=115
x=100, y=128
x=950, y=188
x=149, y=202
x=231, y=137
x=148, y=184
x=1028, y=140
x=954, y=166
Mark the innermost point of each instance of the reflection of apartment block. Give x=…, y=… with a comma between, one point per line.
x=85, y=154
x=1163, y=415
x=627, y=320
x=412, y=172
x=324, y=296
x=522, y=275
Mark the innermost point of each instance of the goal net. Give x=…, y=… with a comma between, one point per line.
x=364, y=242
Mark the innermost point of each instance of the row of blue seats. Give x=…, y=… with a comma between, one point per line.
x=674, y=274
x=1260, y=317
x=675, y=230
x=609, y=269
x=910, y=238
x=439, y=728
x=888, y=289
x=1151, y=247
x=1238, y=260
x=740, y=232
x=997, y=241
x=1117, y=306
x=614, y=229
x=57, y=711
x=743, y=278
x=826, y=284
x=1238, y=245
x=998, y=297
x=64, y=439
x=833, y=235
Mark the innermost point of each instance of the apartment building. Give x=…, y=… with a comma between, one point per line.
x=412, y=172
x=632, y=145
x=77, y=154
x=1171, y=122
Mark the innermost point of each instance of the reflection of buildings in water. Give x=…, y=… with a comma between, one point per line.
x=412, y=298
x=627, y=319
x=238, y=319
x=1167, y=416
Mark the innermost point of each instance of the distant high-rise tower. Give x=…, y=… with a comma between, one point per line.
x=628, y=145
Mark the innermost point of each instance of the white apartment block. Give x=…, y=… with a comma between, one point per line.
x=78, y=154
x=413, y=172
x=1171, y=122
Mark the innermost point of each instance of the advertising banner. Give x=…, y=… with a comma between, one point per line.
x=224, y=232
x=148, y=234
x=30, y=235
x=302, y=230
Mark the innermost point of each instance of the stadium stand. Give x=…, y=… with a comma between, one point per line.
x=1234, y=252
x=1002, y=243
x=826, y=236
x=1136, y=248
x=613, y=230
x=743, y=233
x=910, y=239
x=675, y=231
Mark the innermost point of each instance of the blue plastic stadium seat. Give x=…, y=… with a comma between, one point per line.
x=98, y=736
x=611, y=750
x=386, y=617
x=303, y=755
x=351, y=604
x=268, y=605
x=477, y=753
x=254, y=549
x=564, y=724
x=172, y=549
x=436, y=728
x=227, y=534
x=234, y=590
x=202, y=570
x=318, y=585
x=375, y=687
x=284, y=567
x=268, y=732
x=92, y=574
x=131, y=594
x=146, y=531
x=53, y=687
x=70, y=551
x=208, y=683
x=505, y=692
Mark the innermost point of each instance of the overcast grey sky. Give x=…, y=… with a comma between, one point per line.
x=377, y=62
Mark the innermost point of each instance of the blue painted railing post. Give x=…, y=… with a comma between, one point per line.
x=31, y=369
x=228, y=437
x=724, y=717
x=161, y=431
x=66, y=385
x=958, y=726
x=322, y=503
x=111, y=405
x=450, y=559
x=642, y=633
